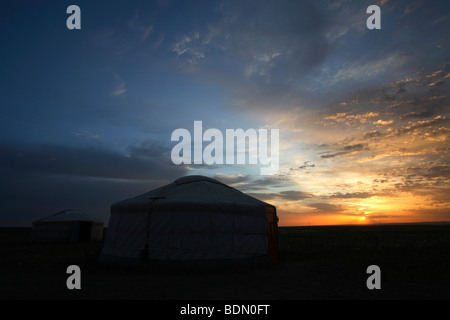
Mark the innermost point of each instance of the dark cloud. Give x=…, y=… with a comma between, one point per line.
x=438, y=171
x=305, y=165
x=261, y=49
x=372, y=134
x=350, y=195
x=414, y=115
x=380, y=180
x=44, y=179
x=147, y=161
x=32, y=195
x=345, y=150
x=263, y=196
x=429, y=171
x=265, y=183
x=288, y=195
x=326, y=207
x=286, y=37
x=294, y=195
x=149, y=149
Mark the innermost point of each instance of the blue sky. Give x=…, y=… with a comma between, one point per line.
x=87, y=115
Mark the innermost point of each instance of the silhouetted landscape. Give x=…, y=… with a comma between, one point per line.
x=317, y=262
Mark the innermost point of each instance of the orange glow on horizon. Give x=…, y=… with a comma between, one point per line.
x=292, y=220
x=373, y=210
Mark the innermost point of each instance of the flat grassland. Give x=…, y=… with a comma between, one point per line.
x=328, y=262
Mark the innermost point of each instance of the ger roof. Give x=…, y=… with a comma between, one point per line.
x=192, y=190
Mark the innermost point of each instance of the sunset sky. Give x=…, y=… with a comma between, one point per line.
x=363, y=115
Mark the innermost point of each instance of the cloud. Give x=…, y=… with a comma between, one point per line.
x=388, y=107
x=146, y=161
x=263, y=196
x=287, y=195
x=268, y=182
x=367, y=69
x=305, y=165
x=346, y=21
x=120, y=88
x=33, y=195
x=258, y=51
x=382, y=2
x=231, y=179
x=138, y=25
x=431, y=171
x=351, y=195
x=424, y=125
x=43, y=179
x=87, y=134
x=372, y=134
x=383, y=123
x=353, y=120
x=389, y=147
x=410, y=8
x=292, y=195
x=189, y=47
x=326, y=207
x=345, y=150
x=437, y=83
x=148, y=149
x=147, y=32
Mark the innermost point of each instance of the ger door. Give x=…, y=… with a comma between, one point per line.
x=272, y=234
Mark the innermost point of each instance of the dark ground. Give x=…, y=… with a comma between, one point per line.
x=316, y=263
